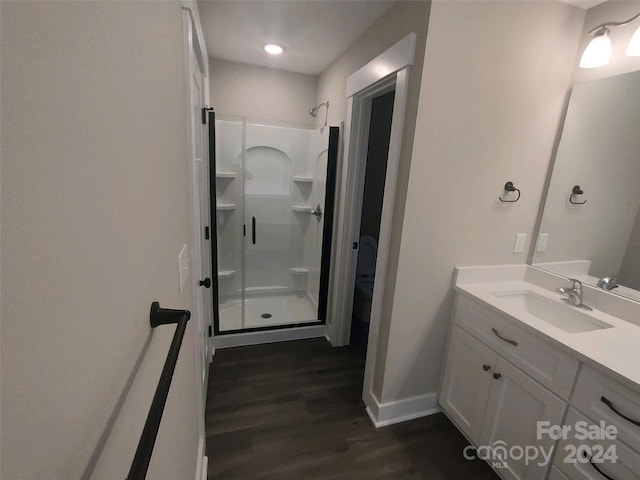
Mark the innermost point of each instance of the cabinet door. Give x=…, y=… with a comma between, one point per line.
x=466, y=382
x=516, y=405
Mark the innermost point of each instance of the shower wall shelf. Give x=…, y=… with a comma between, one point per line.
x=302, y=179
x=299, y=270
x=301, y=208
x=225, y=206
x=225, y=174
x=222, y=274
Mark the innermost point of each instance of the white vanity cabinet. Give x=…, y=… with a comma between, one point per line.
x=518, y=356
x=600, y=400
x=467, y=382
x=494, y=402
x=516, y=403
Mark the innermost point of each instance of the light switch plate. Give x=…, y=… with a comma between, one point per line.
x=184, y=265
x=521, y=238
x=541, y=246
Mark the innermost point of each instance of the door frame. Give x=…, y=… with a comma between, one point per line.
x=387, y=71
x=193, y=46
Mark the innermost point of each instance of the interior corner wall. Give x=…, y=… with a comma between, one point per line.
x=610, y=11
x=94, y=213
x=395, y=24
x=261, y=93
x=492, y=96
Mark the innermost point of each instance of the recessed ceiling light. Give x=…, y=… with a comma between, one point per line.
x=273, y=49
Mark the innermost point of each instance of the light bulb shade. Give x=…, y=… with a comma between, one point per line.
x=598, y=52
x=273, y=49
x=633, y=49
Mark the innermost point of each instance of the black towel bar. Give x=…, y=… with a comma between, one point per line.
x=159, y=316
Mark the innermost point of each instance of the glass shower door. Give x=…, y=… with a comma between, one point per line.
x=277, y=217
x=228, y=183
x=273, y=240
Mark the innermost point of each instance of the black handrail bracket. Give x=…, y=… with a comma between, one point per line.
x=166, y=316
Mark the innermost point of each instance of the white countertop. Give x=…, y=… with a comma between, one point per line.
x=615, y=349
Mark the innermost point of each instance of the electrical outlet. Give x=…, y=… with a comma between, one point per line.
x=184, y=265
x=521, y=238
x=541, y=246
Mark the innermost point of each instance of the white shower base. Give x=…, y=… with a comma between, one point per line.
x=285, y=309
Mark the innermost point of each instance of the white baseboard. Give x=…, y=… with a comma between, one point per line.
x=203, y=462
x=268, y=336
x=383, y=414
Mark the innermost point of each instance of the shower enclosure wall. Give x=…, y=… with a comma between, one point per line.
x=270, y=194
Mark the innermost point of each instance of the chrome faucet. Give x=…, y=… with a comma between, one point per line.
x=608, y=283
x=574, y=294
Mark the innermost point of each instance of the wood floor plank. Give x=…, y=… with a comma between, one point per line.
x=293, y=411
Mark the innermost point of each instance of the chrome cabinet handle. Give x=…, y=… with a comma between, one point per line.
x=586, y=455
x=508, y=340
x=608, y=403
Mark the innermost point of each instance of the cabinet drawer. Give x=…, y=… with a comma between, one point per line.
x=546, y=364
x=603, y=399
x=625, y=467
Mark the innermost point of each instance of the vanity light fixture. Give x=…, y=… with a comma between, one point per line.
x=273, y=49
x=598, y=52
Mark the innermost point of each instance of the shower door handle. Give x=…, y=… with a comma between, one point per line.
x=253, y=230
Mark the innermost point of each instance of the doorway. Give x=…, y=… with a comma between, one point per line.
x=371, y=213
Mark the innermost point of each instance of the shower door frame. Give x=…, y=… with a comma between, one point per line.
x=314, y=328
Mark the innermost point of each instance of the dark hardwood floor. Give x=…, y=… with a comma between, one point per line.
x=293, y=410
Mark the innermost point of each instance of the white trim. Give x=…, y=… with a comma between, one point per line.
x=351, y=186
x=201, y=369
x=200, y=48
x=386, y=221
x=268, y=336
x=202, y=461
x=383, y=414
x=390, y=61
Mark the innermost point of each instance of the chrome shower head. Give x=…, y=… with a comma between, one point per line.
x=313, y=111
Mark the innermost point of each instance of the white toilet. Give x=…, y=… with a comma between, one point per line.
x=365, y=274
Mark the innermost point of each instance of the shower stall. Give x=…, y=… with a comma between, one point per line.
x=274, y=188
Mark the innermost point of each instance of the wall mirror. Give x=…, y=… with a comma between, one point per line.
x=590, y=223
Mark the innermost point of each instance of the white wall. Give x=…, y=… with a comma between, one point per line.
x=400, y=20
x=610, y=11
x=493, y=90
x=262, y=93
x=94, y=213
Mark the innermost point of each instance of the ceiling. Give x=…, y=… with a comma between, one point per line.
x=313, y=33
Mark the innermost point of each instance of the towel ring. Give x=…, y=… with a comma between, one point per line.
x=508, y=187
x=576, y=191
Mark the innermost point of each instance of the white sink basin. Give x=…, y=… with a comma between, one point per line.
x=565, y=317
